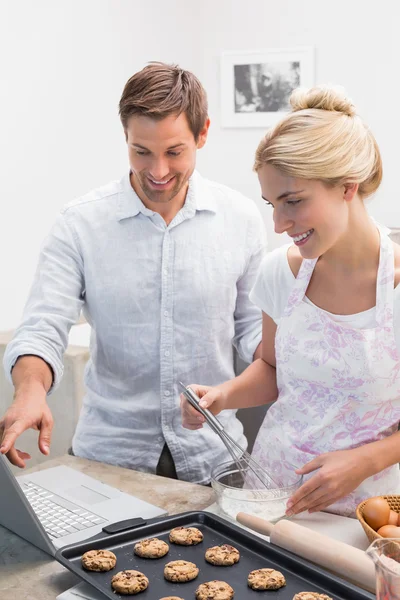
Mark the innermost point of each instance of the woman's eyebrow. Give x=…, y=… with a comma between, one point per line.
x=284, y=195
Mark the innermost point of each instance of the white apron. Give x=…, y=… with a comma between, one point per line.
x=339, y=388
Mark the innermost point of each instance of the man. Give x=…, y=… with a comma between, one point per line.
x=161, y=263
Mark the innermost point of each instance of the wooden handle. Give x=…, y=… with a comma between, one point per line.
x=337, y=557
x=255, y=523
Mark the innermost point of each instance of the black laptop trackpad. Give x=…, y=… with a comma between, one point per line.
x=85, y=494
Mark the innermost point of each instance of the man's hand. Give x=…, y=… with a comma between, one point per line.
x=339, y=473
x=28, y=411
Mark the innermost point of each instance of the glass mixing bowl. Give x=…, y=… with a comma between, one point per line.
x=240, y=490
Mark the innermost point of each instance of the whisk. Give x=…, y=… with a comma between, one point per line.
x=243, y=460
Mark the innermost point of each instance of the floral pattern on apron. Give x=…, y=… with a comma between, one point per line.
x=339, y=387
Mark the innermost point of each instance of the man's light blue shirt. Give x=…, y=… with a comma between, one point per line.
x=165, y=303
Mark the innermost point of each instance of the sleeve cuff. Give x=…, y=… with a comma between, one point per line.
x=260, y=303
x=11, y=357
x=248, y=346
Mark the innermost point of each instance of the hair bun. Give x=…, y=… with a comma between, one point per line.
x=322, y=97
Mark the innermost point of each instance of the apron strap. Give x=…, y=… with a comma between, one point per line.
x=301, y=284
x=385, y=281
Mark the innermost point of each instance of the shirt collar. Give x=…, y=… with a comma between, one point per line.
x=198, y=198
x=129, y=203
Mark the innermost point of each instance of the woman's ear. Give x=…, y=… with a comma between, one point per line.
x=350, y=190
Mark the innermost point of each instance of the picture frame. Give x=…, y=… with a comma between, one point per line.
x=256, y=85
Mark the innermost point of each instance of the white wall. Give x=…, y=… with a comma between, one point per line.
x=356, y=45
x=64, y=64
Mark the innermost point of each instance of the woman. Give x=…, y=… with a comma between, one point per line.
x=331, y=314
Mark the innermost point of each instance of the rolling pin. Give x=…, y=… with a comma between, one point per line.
x=340, y=558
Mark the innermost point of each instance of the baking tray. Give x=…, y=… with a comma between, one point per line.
x=255, y=553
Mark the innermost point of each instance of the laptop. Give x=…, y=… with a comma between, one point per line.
x=79, y=591
x=60, y=506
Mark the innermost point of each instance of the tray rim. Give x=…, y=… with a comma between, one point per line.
x=203, y=516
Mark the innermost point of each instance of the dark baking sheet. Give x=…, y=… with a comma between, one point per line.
x=255, y=553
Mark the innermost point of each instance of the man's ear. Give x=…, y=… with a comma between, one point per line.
x=350, y=190
x=203, y=134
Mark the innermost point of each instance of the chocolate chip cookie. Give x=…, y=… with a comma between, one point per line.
x=151, y=548
x=223, y=556
x=171, y=598
x=185, y=536
x=214, y=590
x=180, y=571
x=99, y=560
x=129, y=582
x=266, y=579
x=311, y=596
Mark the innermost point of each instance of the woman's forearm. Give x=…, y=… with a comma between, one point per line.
x=254, y=387
x=384, y=453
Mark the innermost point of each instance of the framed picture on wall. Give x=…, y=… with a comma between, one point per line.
x=256, y=85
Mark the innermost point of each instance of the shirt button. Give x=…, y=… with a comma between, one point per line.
x=167, y=353
x=167, y=393
x=166, y=313
x=165, y=271
x=160, y=439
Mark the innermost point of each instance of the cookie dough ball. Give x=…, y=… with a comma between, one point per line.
x=214, y=590
x=266, y=579
x=129, y=582
x=99, y=560
x=223, y=556
x=185, y=536
x=151, y=548
x=180, y=571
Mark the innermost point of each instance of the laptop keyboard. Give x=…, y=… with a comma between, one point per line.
x=58, y=516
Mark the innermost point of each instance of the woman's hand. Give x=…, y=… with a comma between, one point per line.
x=339, y=473
x=211, y=398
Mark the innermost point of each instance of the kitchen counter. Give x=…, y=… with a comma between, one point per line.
x=27, y=573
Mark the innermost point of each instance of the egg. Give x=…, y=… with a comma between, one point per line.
x=389, y=531
x=393, y=518
x=376, y=512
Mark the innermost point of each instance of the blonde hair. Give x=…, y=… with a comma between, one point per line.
x=323, y=138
